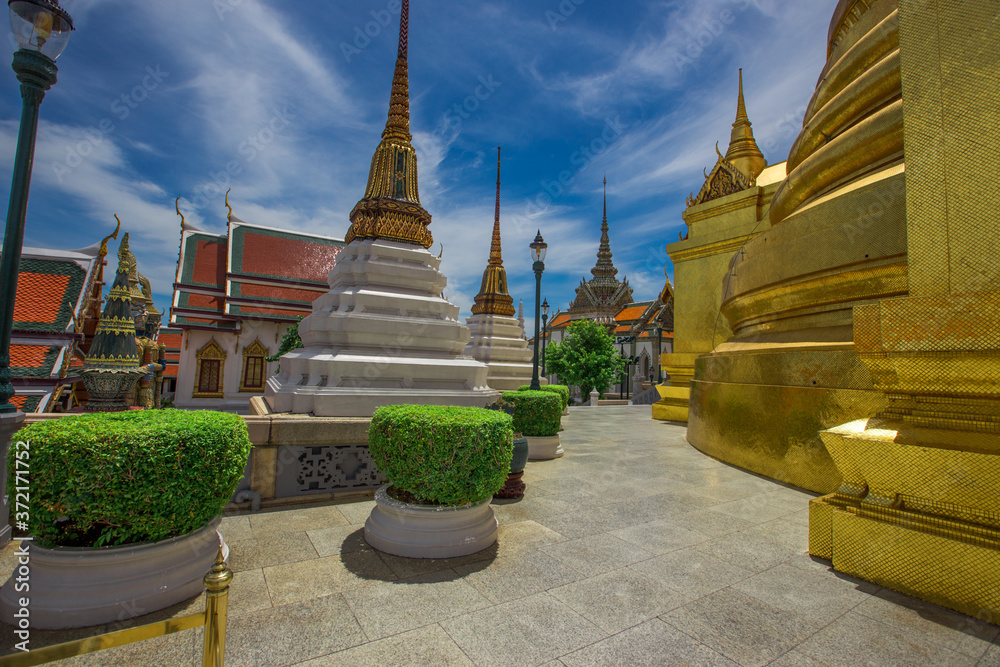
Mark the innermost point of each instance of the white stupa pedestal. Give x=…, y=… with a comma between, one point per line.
x=497, y=341
x=382, y=335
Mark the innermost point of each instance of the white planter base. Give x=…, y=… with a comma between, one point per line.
x=544, y=449
x=424, y=531
x=78, y=587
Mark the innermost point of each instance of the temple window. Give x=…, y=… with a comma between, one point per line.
x=209, y=373
x=254, y=367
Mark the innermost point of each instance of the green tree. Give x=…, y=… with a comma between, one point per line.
x=290, y=341
x=586, y=357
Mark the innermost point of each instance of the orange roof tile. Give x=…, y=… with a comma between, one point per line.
x=559, y=321
x=278, y=292
x=275, y=256
x=210, y=263
x=272, y=311
x=622, y=329
x=206, y=301
x=39, y=297
x=28, y=356
x=172, y=341
x=630, y=314
x=18, y=401
x=170, y=371
x=77, y=362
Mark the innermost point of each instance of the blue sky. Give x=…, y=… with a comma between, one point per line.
x=156, y=99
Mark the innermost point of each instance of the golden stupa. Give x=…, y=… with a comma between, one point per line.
x=865, y=320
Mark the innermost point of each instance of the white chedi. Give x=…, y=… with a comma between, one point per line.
x=498, y=341
x=382, y=335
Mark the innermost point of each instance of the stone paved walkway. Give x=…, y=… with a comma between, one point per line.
x=634, y=549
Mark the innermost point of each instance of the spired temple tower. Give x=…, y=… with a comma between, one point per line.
x=603, y=295
x=497, y=338
x=112, y=367
x=865, y=337
x=383, y=334
x=729, y=210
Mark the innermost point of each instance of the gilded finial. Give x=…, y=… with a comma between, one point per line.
x=743, y=152
x=227, y=203
x=441, y=254
x=741, y=107
x=103, y=252
x=496, y=255
x=177, y=207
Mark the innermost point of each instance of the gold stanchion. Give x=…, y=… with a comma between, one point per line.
x=216, y=610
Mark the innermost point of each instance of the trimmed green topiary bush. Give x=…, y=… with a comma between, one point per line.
x=129, y=477
x=440, y=454
x=561, y=389
x=538, y=412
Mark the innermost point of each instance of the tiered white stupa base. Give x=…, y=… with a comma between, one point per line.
x=497, y=341
x=382, y=335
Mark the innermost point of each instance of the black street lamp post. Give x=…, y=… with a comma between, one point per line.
x=538, y=247
x=545, y=326
x=41, y=28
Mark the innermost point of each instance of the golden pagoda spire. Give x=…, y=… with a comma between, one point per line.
x=493, y=298
x=743, y=152
x=390, y=209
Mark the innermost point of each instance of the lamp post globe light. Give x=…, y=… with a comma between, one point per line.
x=42, y=29
x=545, y=327
x=538, y=247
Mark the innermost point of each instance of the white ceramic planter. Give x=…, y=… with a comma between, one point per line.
x=429, y=531
x=544, y=449
x=74, y=587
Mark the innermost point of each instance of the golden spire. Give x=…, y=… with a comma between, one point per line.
x=493, y=298
x=743, y=152
x=390, y=209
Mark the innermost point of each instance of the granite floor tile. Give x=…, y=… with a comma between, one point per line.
x=618, y=600
x=248, y=593
x=405, y=568
x=261, y=552
x=713, y=524
x=741, y=627
x=319, y=577
x=518, y=577
x=594, y=521
x=429, y=646
x=797, y=659
x=991, y=658
x=651, y=644
x=660, y=537
x=338, y=540
x=235, y=528
x=854, y=639
x=749, y=550
x=357, y=512
x=762, y=507
x=270, y=524
x=386, y=609
x=518, y=538
x=692, y=572
x=950, y=629
x=292, y=633
x=523, y=632
x=597, y=554
x=819, y=596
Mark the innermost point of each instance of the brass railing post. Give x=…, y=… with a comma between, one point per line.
x=216, y=608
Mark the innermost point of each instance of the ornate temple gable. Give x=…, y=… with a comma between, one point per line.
x=724, y=180
x=742, y=163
